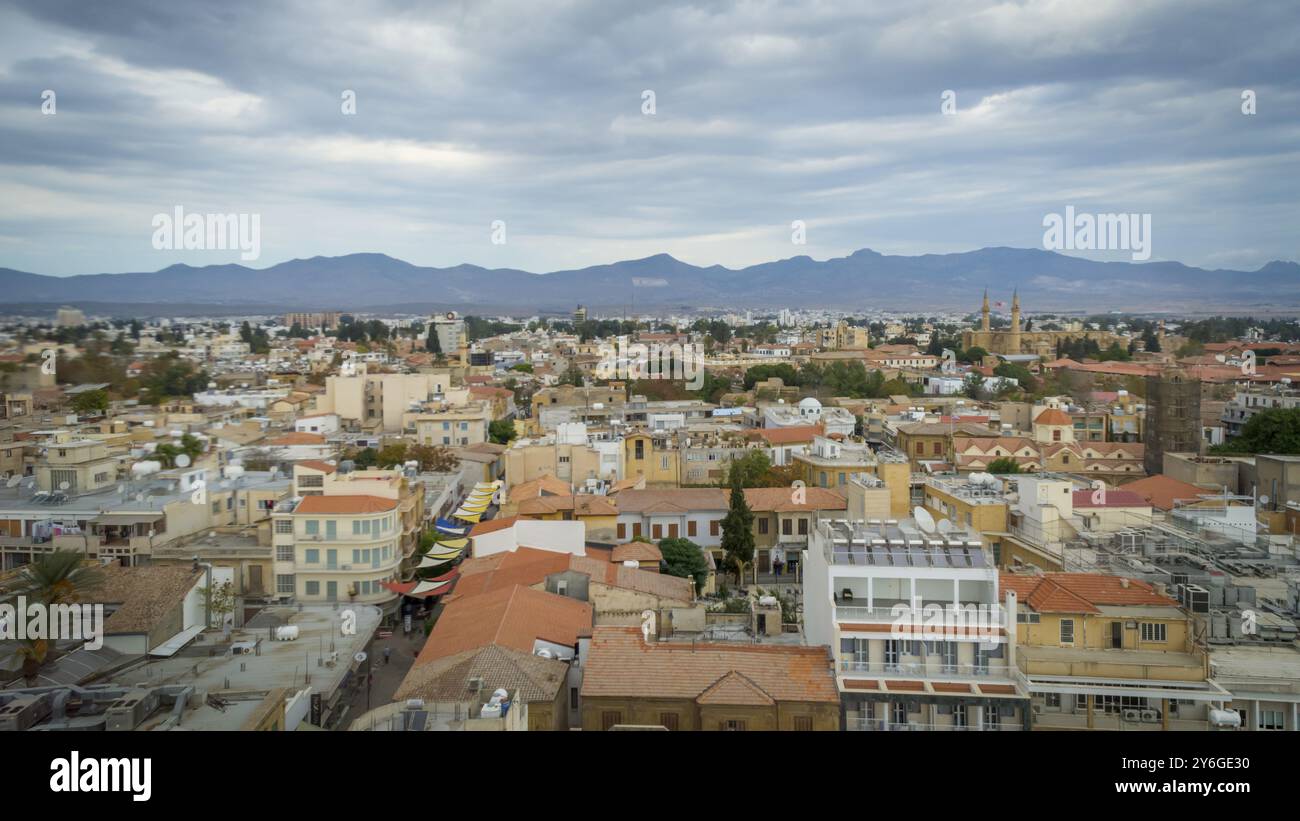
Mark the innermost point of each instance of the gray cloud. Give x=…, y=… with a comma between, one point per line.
x=531, y=113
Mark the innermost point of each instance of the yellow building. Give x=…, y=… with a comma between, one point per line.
x=1109, y=653
x=656, y=458
x=832, y=464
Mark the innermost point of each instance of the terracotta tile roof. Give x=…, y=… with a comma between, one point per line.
x=1160, y=490
x=623, y=664
x=530, y=566
x=526, y=566
x=676, y=499
x=1081, y=592
x=637, y=551
x=542, y=485
x=1114, y=498
x=344, y=505
x=735, y=689
x=492, y=525
x=513, y=617
x=1052, y=416
x=316, y=464
x=532, y=677
x=789, y=435
x=781, y=499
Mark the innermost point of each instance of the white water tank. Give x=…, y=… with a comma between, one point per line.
x=145, y=468
x=288, y=632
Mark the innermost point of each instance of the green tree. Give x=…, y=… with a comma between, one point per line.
x=738, y=532
x=431, y=343
x=54, y=578
x=1276, y=430
x=502, y=431
x=90, y=402
x=685, y=559
x=1004, y=464
x=751, y=470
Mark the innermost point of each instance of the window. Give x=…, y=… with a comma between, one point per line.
x=331, y=529
x=1067, y=631
x=284, y=525
x=1154, y=631
x=1271, y=720
x=284, y=584
x=284, y=553
x=938, y=448
x=734, y=725
x=713, y=527
x=920, y=448
x=622, y=531
x=658, y=531
x=311, y=481
x=312, y=556
x=803, y=724
x=312, y=589
x=609, y=718
x=636, y=529
x=1053, y=700
x=691, y=527
x=668, y=720
x=762, y=526
x=803, y=527
x=787, y=527
x=313, y=527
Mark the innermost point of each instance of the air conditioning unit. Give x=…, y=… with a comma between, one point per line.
x=1150, y=716
x=1133, y=715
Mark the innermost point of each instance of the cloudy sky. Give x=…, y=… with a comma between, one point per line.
x=531, y=112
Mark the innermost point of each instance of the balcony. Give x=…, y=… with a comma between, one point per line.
x=929, y=670
x=884, y=726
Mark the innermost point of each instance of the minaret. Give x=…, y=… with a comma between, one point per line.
x=1015, y=322
x=984, y=313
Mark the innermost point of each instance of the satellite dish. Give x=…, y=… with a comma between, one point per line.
x=923, y=519
x=1263, y=500
x=182, y=461
x=13, y=481
x=64, y=485
x=360, y=657
x=945, y=526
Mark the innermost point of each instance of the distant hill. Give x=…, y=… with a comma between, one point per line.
x=865, y=279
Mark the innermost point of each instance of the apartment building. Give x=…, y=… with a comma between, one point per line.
x=1103, y=652
x=915, y=623
x=1249, y=401
x=348, y=539
x=381, y=402
x=454, y=426
x=569, y=454
x=830, y=463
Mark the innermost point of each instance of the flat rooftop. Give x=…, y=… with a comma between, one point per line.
x=243, y=679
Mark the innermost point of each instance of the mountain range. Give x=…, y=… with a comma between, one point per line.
x=1046, y=281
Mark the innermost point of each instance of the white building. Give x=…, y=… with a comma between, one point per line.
x=914, y=622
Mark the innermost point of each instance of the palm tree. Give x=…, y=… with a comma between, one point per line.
x=58, y=577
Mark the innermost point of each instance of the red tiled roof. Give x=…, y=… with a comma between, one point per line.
x=622, y=664
x=1160, y=490
x=1112, y=498
x=1081, y=592
x=344, y=505
x=513, y=617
